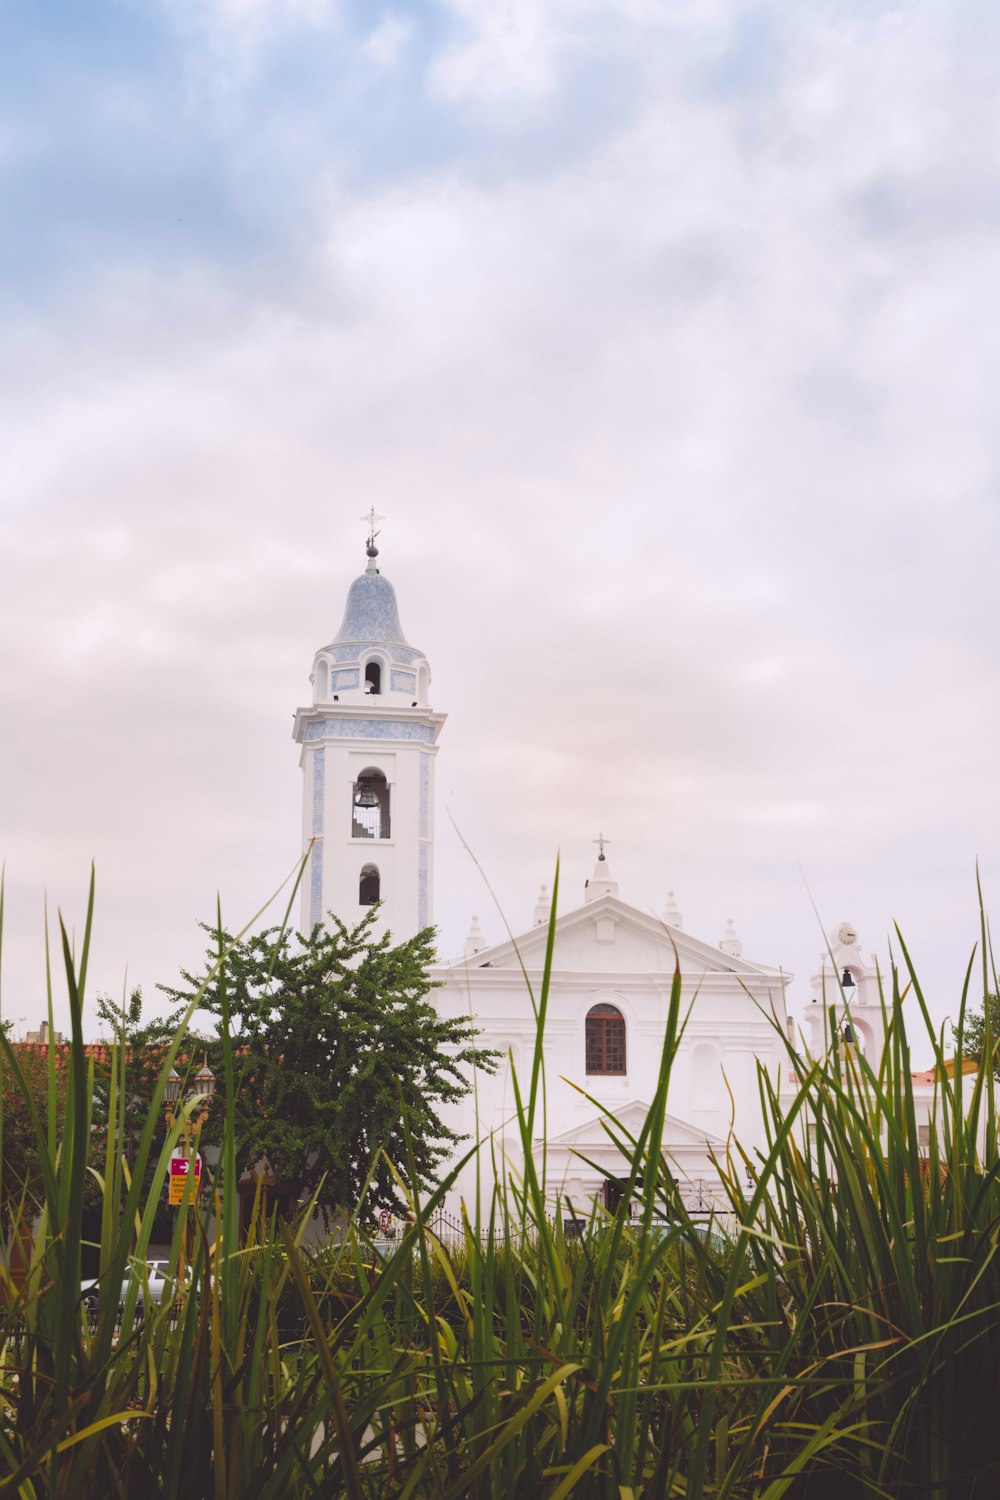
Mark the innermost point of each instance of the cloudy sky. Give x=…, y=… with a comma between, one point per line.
x=664, y=335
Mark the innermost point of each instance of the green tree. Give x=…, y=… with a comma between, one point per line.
x=336, y=1043
x=973, y=1038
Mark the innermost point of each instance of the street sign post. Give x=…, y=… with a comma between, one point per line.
x=180, y=1164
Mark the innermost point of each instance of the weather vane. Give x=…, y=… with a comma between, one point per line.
x=600, y=841
x=372, y=518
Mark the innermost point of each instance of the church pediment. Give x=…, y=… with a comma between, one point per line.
x=608, y=935
x=591, y=1134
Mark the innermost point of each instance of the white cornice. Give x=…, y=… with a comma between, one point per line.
x=465, y=976
x=347, y=711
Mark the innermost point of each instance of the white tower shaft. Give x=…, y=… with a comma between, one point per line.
x=369, y=741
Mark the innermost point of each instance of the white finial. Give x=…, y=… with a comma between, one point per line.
x=601, y=882
x=543, y=906
x=730, y=943
x=475, y=942
x=671, y=916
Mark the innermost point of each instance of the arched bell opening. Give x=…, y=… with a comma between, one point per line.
x=369, y=886
x=370, y=810
x=857, y=1034
x=373, y=677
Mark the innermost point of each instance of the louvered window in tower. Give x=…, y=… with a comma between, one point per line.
x=605, y=1041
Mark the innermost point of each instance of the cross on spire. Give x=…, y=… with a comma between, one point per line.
x=372, y=518
x=600, y=841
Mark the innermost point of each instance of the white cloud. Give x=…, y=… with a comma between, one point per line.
x=505, y=48
x=385, y=45
x=227, y=41
x=684, y=446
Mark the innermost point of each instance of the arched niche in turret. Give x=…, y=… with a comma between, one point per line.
x=376, y=676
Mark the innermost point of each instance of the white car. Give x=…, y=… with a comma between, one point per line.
x=152, y=1276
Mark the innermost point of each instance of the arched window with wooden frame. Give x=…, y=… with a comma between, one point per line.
x=605, y=1038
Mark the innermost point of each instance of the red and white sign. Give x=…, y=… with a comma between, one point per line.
x=180, y=1163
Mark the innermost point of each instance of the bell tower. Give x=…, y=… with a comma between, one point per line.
x=368, y=745
x=849, y=987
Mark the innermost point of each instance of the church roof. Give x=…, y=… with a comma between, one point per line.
x=665, y=946
x=371, y=614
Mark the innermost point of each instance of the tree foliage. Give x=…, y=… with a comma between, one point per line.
x=337, y=1044
x=973, y=1036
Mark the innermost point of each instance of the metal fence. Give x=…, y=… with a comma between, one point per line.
x=454, y=1234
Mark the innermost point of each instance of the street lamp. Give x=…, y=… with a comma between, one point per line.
x=204, y=1081
x=202, y=1089
x=171, y=1089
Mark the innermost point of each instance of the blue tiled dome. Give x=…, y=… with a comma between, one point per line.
x=371, y=618
x=371, y=613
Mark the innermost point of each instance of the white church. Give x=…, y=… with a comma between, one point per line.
x=369, y=741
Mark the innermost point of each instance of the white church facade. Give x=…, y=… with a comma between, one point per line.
x=368, y=745
x=609, y=996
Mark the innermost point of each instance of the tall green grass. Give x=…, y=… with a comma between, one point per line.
x=841, y=1339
